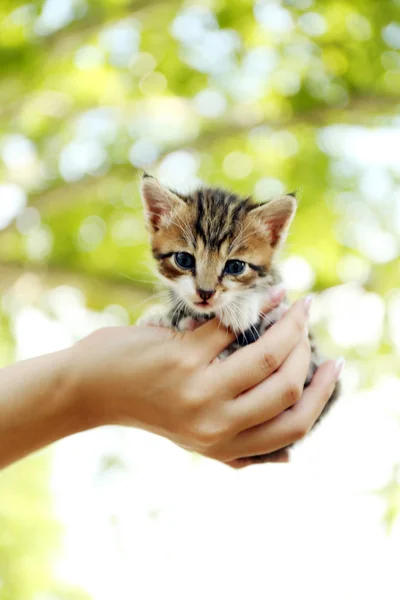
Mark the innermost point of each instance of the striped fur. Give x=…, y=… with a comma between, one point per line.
x=215, y=227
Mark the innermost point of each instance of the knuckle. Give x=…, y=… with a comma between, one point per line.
x=188, y=361
x=209, y=435
x=194, y=398
x=183, y=356
x=174, y=355
x=269, y=362
x=292, y=394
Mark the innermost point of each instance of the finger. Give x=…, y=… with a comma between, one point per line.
x=274, y=395
x=275, y=296
x=293, y=424
x=210, y=339
x=250, y=365
x=214, y=337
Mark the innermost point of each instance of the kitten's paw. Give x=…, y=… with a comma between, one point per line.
x=153, y=319
x=188, y=324
x=224, y=354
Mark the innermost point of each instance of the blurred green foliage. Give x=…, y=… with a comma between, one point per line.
x=236, y=93
x=29, y=534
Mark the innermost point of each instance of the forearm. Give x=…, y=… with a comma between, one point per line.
x=36, y=407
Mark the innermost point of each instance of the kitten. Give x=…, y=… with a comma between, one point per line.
x=215, y=251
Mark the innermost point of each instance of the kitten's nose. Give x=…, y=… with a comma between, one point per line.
x=205, y=294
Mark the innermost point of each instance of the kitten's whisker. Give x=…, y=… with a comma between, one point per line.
x=236, y=325
x=134, y=279
x=239, y=327
x=255, y=332
x=229, y=319
x=266, y=319
x=180, y=304
x=152, y=297
x=250, y=327
x=242, y=329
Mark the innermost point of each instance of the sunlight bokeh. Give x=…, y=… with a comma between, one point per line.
x=264, y=97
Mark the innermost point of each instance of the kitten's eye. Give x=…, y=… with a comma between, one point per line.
x=184, y=260
x=234, y=267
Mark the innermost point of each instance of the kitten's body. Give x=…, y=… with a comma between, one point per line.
x=201, y=241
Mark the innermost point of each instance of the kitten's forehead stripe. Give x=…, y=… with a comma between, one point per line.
x=218, y=214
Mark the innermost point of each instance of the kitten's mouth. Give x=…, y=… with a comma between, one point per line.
x=208, y=306
x=203, y=305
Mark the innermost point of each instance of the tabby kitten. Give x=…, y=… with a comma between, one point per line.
x=215, y=251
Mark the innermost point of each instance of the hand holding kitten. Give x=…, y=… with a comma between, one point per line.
x=169, y=383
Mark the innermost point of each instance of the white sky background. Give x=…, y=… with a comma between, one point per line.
x=195, y=529
x=190, y=528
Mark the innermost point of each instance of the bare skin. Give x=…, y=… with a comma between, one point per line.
x=170, y=384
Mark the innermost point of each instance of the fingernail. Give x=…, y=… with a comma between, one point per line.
x=277, y=293
x=339, y=367
x=307, y=304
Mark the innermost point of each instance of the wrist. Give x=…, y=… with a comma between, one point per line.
x=36, y=406
x=75, y=398
x=61, y=402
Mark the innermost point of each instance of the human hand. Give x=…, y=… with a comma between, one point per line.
x=169, y=383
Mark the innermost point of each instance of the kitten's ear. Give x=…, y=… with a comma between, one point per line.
x=276, y=215
x=158, y=201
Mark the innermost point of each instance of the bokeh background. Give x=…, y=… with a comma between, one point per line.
x=262, y=97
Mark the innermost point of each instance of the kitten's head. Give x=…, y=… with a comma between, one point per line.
x=214, y=248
